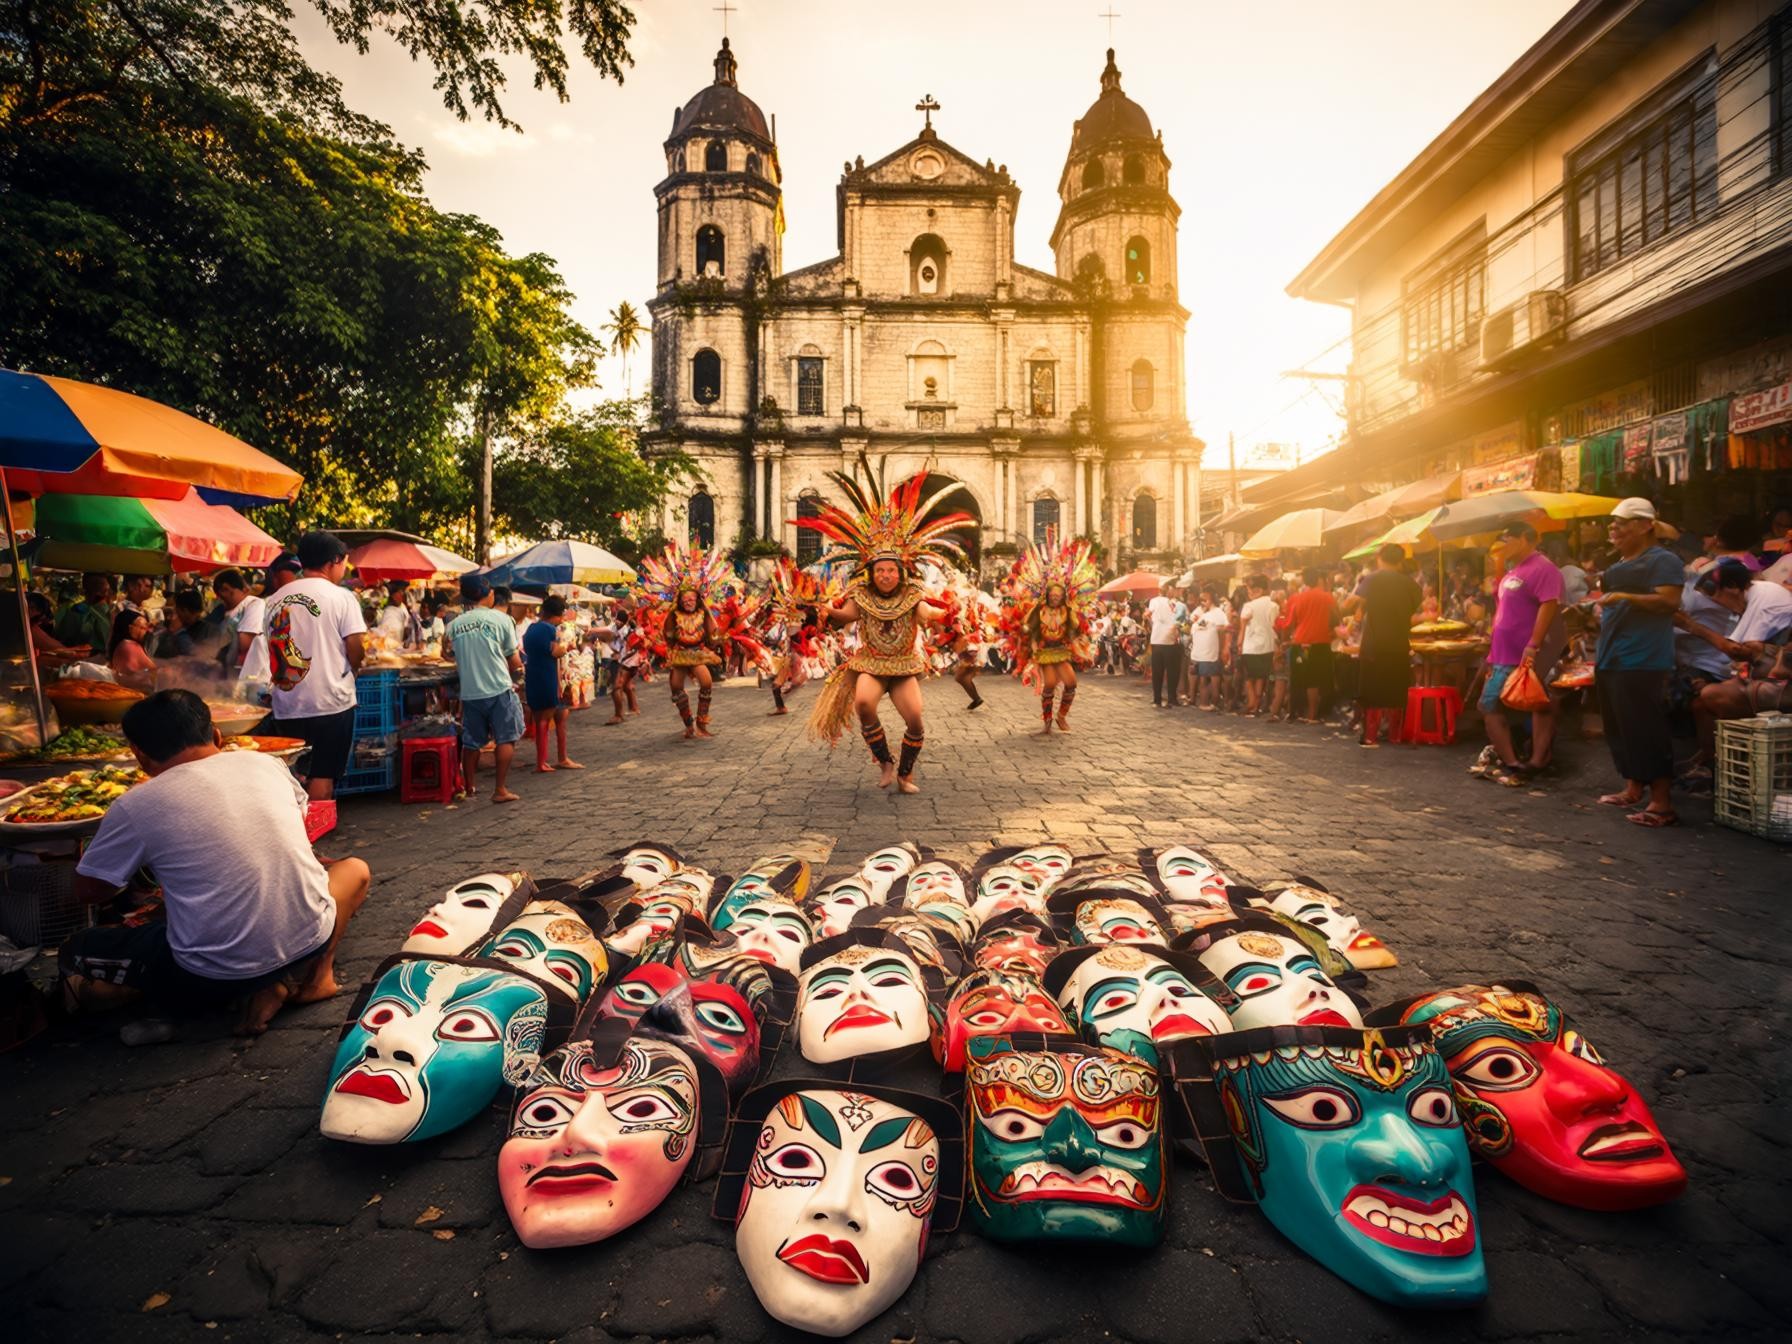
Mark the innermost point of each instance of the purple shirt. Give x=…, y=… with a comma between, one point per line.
x=1527, y=586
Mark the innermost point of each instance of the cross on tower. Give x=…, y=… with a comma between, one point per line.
x=1110, y=16
x=725, y=9
x=929, y=107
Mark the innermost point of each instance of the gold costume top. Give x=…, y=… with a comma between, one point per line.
x=888, y=631
x=1055, y=633
x=688, y=642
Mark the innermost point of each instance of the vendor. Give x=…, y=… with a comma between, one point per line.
x=125, y=655
x=252, y=916
x=44, y=643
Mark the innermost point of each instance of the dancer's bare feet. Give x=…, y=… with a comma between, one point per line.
x=906, y=784
x=566, y=764
x=689, y=733
x=544, y=769
x=774, y=714
x=886, y=774
x=614, y=718
x=703, y=732
x=506, y=796
x=1044, y=732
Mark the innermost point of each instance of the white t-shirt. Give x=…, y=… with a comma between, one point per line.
x=307, y=622
x=1767, y=615
x=246, y=618
x=244, y=896
x=1162, y=612
x=1259, y=621
x=1204, y=634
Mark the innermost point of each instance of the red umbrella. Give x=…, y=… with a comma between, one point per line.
x=390, y=558
x=1139, y=581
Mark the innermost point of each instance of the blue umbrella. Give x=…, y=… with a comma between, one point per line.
x=547, y=563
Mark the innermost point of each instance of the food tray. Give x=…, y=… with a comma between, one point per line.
x=26, y=829
x=71, y=709
x=233, y=720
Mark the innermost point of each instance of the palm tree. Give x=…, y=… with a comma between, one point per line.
x=625, y=331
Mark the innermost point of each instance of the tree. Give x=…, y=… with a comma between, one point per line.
x=625, y=331
x=584, y=478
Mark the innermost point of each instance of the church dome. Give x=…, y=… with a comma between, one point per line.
x=722, y=106
x=1113, y=116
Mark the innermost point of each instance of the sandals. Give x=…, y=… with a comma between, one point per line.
x=1511, y=776
x=1653, y=821
x=1619, y=799
x=1485, y=762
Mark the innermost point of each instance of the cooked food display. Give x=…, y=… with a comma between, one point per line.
x=80, y=796
x=84, y=688
x=1441, y=628
x=243, y=742
x=79, y=743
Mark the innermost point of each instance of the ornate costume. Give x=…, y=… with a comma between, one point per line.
x=1046, y=635
x=692, y=639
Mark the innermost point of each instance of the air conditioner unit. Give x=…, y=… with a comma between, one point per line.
x=1512, y=332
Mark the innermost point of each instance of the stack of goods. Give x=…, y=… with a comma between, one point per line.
x=1067, y=1030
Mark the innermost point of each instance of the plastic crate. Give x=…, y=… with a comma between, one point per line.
x=1754, y=775
x=381, y=778
x=37, y=903
x=378, y=703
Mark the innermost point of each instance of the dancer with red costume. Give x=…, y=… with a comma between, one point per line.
x=699, y=619
x=1050, y=591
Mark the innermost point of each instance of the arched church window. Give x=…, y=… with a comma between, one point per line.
x=1138, y=261
x=715, y=158
x=753, y=165
x=808, y=542
x=1141, y=385
x=712, y=253
x=700, y=514
x=706, y=377
x=1133, y=173
x=1144, y=523
x=1092, y=176
x=927, y=265
x=1045, y=517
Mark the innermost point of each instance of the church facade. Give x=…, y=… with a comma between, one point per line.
x=1056, y=400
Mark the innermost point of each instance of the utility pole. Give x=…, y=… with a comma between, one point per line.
x=482, y=527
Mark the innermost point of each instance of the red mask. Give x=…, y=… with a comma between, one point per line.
x=706, y=1016
x=1539, y=1103
x=994, y=1003
x=1018, y=951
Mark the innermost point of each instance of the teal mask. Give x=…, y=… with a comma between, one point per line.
x=1350, y=1143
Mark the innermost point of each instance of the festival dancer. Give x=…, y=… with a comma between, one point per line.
x=888, y=534
x=1052, y=588
x=796, y=629
x=691, y=584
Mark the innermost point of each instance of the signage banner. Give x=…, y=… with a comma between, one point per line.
x=1515, y=473
x=1761, y=410
x=1637, y=443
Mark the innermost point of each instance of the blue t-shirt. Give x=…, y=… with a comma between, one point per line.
x=1631, y=640
x=541, y=670
x=483, y=640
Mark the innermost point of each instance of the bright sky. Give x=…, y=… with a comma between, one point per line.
x=1280, y=118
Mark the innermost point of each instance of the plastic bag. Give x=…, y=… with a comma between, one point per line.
x=1524, y=690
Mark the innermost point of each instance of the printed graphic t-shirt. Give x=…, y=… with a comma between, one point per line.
x=483, y=640
x=305, y=625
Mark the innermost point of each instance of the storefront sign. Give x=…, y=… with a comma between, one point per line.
x=1668, y=433
x=1607, y=411
x=1515, y=473
x=1760, y=410
x=1637, y=441
x=1568, y=455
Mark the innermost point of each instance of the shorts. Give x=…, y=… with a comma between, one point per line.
x=1497, y=673
x=496, y=718
x=1769, y=696
x=139, y=958
x=1257, y=666
x=1205, y=667
x=1312, y=667
x=330, y=737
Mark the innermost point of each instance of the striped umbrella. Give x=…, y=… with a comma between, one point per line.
x=144, y=536
x=547, y=563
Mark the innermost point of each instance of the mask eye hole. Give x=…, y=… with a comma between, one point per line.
x=642, y=1108
x=1499, y=1070
x=1249, y=981
x=985, y=1017
x=1316, y=1108
x=544, y=1112
x=1432, y=1106
x=895, y=1183
x=721, y=1017
x=467, y=1024
x=1124, y=1134
x=383, y=1013
x=1013, y=1126
x=796, y=1163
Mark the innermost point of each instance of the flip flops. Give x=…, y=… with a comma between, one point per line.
x=1653, y=821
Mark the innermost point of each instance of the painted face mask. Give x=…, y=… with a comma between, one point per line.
x=549, y=940
x=1539, y=1103
x=778, y=877
x=462, y=919
x=933, y=942
x=1312, y=905
x=860, y=994
x=932, y=883
x=430, y=1046
x=1046, y=862
x=1105, y=872
x=717, y=1014
x=1133, y=1000
x=832, y=908
x=881, y=870
x=1350, y=1144
x=1005, y=887
x=1276, y=977
x=774, y=931
x=836, y=1199
x=598, y=1139
x=662, y=911
x=1111, y=919
x=994, y=1003
x=1018, y=943
x=646, y=864
x=1066, y=1143
x=1189, y=877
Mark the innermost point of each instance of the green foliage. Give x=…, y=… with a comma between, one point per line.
x=583, y=478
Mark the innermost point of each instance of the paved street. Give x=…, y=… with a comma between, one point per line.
x=183, y=1192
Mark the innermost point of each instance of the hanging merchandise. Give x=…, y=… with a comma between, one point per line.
x=1599, y=463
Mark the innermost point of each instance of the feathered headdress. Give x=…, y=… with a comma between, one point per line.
x=1045, y=565
x=793, y=590
x=882, y=524
x=679, y=569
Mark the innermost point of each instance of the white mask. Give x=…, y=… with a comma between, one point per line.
x=645, y=865
x=1046, y=862
x=1278, y=983
x=773, y=931
x=860, y=1001
x=1126, y=998
x=881, y=870
x=1343, y=931
x=833, y=1220
x=1188, y=876
x=549, y=940
x=931, y=883
x=833, y=907
x=1005, y=887
x=463, y=916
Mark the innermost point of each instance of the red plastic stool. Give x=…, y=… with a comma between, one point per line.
x=1442, y=729
x=320, y=818
x=429, y=771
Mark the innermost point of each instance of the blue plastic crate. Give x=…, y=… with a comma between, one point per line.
x=377, y=703
x=382, y=778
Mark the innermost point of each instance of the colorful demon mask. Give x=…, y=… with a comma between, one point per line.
x=1018, y=942
x=1350, y=1144
x=832, y=1194
x=1189, y=877
x=994, y=1003
x=1306, y=902
x=430, y=1043
x=1105, y=916
x=652, y=915
x=647, y=863
x=551, y=941
x=936, y=882
x=773, y=930
x=832, y=908
x=718, y=1012
x=463, y=918
x=1274, y=973
x=601, y=1133
x=1003, y=887
x=1066, y=1142
x=861, y=993
x=1135, y=999
x=777, y=877
x=1540, y=1104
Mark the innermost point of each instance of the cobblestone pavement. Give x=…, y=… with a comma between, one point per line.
x=183, y=1191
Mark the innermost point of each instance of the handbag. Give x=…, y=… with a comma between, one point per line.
x=1524, y=690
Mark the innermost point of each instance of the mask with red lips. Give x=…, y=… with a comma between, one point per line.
x=1276, y=977
x=462, y=919
x=1137, y=999
x=861, y=993
x=1539, y=1103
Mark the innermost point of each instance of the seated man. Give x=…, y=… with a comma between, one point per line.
x=1764, y=612
x=252, y=916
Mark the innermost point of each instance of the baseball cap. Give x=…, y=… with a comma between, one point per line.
x=286, y=563
x=473, y=587
x=1634, y=507
x=318, y=550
